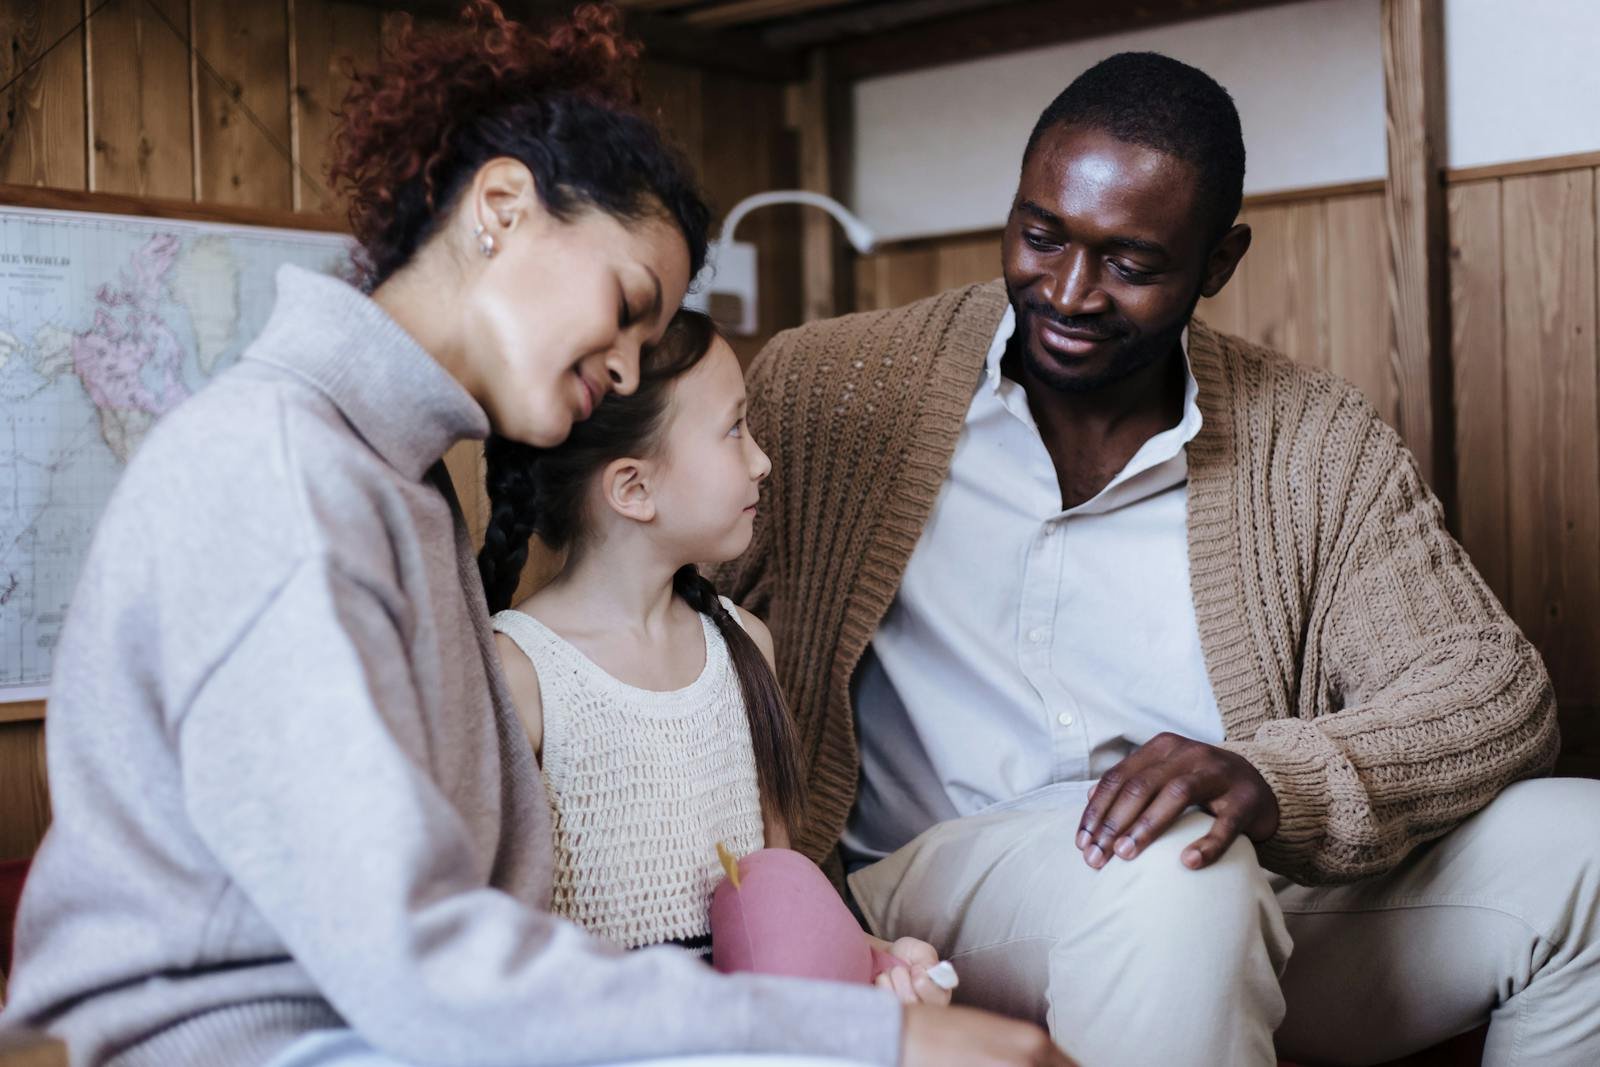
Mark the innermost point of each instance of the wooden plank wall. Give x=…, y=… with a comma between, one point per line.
x=123, y=107
x=1524, y=357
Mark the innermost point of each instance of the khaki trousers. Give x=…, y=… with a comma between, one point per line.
x=1147, y=962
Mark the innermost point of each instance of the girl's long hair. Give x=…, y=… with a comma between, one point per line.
x=541, y=491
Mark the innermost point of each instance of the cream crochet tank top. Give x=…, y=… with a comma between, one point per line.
x=642, y=786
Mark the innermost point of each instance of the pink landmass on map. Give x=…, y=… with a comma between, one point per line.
x=129, y=360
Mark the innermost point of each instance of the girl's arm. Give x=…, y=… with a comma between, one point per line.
x=523, y=682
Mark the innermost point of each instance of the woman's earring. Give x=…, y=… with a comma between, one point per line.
x=485, y=241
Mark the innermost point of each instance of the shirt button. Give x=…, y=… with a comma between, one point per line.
x=1064, y=719
x=1036, y=635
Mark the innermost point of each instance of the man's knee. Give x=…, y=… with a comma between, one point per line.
x=1225, y=909
x=1552, y=827
x=1558, y=816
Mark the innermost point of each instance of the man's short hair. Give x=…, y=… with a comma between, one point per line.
x=1153, y=100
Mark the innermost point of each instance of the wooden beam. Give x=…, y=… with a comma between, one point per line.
x=820, y=253
x=1415, y=212
x=1009, y=28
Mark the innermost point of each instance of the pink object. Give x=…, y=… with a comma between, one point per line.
x=786, y=919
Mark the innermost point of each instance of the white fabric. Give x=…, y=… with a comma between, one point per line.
x=642, y=786
x=1027, y=645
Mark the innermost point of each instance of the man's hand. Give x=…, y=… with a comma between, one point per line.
x=964, y=1037
x=1142, y=796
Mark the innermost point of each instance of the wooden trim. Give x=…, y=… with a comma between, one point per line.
x=22, y=711
x=1542, y=165
x=1308, y=193
x=1415, y=212
x=161, y=208
x=936, y=240
x=1302, y=195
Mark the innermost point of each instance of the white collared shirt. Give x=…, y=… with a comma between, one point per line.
x=1029, y=649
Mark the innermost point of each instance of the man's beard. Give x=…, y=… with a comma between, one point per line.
x=1132, y=355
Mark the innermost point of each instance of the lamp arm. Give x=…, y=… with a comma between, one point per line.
x=861, y=238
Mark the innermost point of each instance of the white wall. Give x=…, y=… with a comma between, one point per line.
x=937, y=151
x=1523, y=79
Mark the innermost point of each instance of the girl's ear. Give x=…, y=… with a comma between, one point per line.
x=625, y=484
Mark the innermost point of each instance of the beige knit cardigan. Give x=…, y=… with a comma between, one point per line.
x=1358, y=660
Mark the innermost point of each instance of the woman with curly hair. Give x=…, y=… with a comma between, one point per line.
x=297, y=820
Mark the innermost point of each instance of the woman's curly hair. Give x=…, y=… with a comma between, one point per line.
x=439, y=104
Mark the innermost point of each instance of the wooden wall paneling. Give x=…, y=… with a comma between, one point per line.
x=247, y=45
x=328, y=35
x=464, y=461
x=1413, y=67
x=897, y=276
x=43, y=116
x=141, y=117
x=1287, y=303
x=1553, y=423
x=1477, y=344
x=1359, y=328
x=748, y=148
x=676, y=98
x=1227, y=311
x=24, y=798
x=966, y=260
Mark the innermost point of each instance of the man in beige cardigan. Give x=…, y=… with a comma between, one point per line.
x=1128, y=656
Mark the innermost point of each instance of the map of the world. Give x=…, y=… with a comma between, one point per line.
x=107, y=323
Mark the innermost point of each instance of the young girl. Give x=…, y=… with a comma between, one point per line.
x=650, y=700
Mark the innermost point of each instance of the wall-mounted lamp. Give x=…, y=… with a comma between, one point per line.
x=726, y=289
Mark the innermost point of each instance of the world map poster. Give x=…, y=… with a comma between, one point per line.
x=107, y=323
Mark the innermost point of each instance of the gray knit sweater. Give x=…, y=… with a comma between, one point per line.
x=290, y=789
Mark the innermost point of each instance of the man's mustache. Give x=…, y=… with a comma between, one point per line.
x=1096, y=325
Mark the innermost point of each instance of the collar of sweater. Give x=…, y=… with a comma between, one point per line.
x=396, y=396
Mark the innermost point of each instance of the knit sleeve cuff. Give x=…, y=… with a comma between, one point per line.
x=1297, y=775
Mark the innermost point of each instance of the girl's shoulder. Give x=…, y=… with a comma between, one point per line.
x=514, y=641
x=752, y=625
x=740, y=616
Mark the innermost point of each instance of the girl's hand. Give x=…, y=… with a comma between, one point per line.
x=911, y=982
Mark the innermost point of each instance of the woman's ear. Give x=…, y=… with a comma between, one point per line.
x=626, y=486
x=502, y=197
